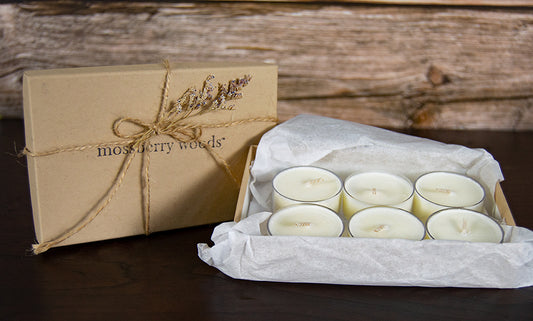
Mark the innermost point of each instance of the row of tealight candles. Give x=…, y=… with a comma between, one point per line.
x=307, y=200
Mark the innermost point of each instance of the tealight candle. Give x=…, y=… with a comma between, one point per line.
x=305, y=219
x=366, y=189
x=463, y=225
x=306, y=184
x=386, y=222
x=438, y=190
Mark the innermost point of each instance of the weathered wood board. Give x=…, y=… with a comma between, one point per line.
x=460, y=67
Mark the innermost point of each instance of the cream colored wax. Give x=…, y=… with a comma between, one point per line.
x=438, y=190
x=386, y=222
x=368, y=189
x=306, y=184
x=305, y=219
x=463, y=225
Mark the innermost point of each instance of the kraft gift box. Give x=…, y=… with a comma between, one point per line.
x=126, y=150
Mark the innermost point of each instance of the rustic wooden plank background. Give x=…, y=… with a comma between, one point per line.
x=400, y=66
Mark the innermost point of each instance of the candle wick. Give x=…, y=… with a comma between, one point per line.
x=303, y=224
x=464, y=228
x=380, y=228
x=443, y=190
x=314, y=181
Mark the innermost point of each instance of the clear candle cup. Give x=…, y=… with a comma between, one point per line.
x=305, y=220
x=306, y=184
x=386, y=222
x=435, y=191
x=460, y=224
x=376, y=188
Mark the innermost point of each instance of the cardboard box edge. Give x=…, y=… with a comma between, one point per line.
x=30, y=161
x=244, y=191
x=503, y=206
x=143, y=67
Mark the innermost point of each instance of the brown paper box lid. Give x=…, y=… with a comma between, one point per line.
x=77, y=107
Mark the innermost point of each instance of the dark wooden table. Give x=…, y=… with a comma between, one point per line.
x=161, y=278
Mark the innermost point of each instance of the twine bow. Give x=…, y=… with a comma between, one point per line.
x=172, y=120
x=182, y=133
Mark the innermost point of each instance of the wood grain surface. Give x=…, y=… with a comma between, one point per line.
x=454, y=67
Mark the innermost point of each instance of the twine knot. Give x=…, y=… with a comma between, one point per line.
x=178, y=130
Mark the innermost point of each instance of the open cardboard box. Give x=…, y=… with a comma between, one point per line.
x=243, y=201
x=242, y=250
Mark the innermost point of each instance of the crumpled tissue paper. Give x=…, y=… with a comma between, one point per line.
x=243, y=251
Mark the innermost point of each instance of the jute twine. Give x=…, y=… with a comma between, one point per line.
x=176, y=125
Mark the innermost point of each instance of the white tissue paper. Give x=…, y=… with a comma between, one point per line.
x=243, y=251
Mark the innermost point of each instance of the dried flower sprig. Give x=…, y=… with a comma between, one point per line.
x=195, y=102
x=230, y=92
